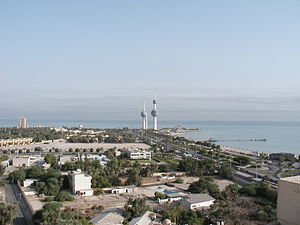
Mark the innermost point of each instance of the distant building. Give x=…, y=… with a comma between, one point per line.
x=29, y=182
x=103, y=159
x=65, y=158
x=108, y=217
x=138, y=154
x=288, y=201
x=14, y=142
x=22, y=122
x=80, y=183
x=197, y=201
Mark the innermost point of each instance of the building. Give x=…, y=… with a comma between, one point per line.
x=197, y=201
x=108, y=217
x=138, y=154
x=148, y=218
x=20, y=161
x=15, y=142
x=154, y=114
x=65, y=158
x=80, y=183
x=288, y=201
x=22, y=122
x=29, y=182
x=123, y=189
x=144, y=119
x=103, y=159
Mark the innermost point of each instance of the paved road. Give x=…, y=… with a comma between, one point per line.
x=23, y=213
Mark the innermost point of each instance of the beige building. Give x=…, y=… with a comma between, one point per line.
x=22, y=122
x=81, y=183
x=288, y=202
x=15, y=142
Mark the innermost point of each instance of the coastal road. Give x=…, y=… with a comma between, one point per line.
x=23, y=213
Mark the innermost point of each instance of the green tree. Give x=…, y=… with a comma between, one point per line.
x=63, y=196
x=134, y=178
x=225, y=171
x=204, y=185
x=7, y=213
x=50, y=159
x=18, y=175
x=135, y=207
x=160, y=195
x=99, y=181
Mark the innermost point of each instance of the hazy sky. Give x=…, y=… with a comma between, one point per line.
x=205, y=60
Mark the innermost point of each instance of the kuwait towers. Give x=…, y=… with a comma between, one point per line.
x=154, y=114
x=144, y=118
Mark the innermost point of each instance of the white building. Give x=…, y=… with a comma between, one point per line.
x=20, y=161
x=123, y=189
x=138, y=154
x=80, y=183
x=288, y=201
x=29, y=182
x=197, y=201
x=65, y=158
x=103, y=159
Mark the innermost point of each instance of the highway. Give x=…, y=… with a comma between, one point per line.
x=23, y=213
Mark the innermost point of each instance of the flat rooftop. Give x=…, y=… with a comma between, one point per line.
x=294, y=179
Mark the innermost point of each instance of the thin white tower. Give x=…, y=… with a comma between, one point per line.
x=154, y=113
x=144, y=118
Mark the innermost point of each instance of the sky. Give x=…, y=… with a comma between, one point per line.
x=204, y=60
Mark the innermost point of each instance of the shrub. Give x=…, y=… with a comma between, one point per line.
x=63, y=196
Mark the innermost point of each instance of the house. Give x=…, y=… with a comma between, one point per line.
x=148, y=218
x=103, y=159
x=21, y=161
x=197, y=201
x=65, y=158
x=288, y=201
x=5, y=163
x=123, y=189
x=29, y=182
x=108, y=217
x=138, y=154
x=80, y=183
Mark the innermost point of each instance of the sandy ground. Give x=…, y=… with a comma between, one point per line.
x=66, y=146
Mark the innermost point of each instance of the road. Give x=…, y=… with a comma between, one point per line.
x=23, y=213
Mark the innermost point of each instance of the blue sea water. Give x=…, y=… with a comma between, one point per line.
x=281, y=136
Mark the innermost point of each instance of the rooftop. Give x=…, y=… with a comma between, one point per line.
x=294, y=179
x=196, y=198
x=108, y=217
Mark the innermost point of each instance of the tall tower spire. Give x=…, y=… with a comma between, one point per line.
x=144, y=118
x=154, y=113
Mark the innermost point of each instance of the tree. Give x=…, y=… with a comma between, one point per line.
x=225, y=171
x=7, y=213
x=159, y=195
x=18, y=175
x=134, y=178
x=204, y=185
x=50, y=187
x=50, y=159
x=63, y=196
x=242, y=160
x=2, y=169
x=38, y=149
x=99, y=181
x=135, y=207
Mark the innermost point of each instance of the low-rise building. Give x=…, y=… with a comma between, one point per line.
x=288, y=201
x=80, y=183
x=29, y=182
x=15, y=142
x=21, y=161
x=138, y=154
x=123, y=189
x=65, y=158
x=108, y=217
x=197, y=201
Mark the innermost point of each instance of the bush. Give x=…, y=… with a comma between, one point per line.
x=63, y=196
x=179, y=180
x=49, y=199
x=159, y=195
x=98, y=192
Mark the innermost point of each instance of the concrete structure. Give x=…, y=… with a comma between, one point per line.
x=138, y=154
x=123, y=189
x=197, y=201
x=103, y=159
x=288, y=202
x=148, y=218
x=20, y=161
x=29, y=182
x=108, y=217
x=80, y=183
x=65, y=158
x=144, y=119
x=154, y=114
x=22, y=122
x=15, y=142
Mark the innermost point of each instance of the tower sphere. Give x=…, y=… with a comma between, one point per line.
x=154, y=101
x=143, y=114
x=154, y=113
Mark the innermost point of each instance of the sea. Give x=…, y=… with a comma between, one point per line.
x=281, y=136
